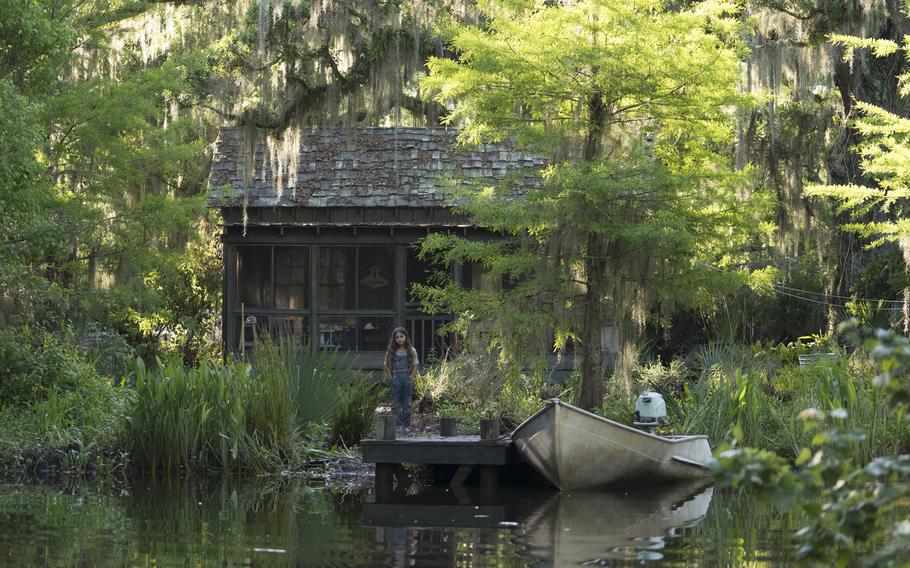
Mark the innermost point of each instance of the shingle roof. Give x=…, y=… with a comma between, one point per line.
x=355, y=167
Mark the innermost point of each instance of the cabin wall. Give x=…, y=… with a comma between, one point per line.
x=335, y=287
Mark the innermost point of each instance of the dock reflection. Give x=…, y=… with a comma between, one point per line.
x=546, y=527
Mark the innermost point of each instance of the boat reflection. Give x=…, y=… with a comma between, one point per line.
x=594, y=528
x=551, y=528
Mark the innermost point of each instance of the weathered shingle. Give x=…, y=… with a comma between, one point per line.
x=353, y=167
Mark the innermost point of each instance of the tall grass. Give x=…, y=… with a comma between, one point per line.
x=238, y=416
x=757, y=395
x=190, y=417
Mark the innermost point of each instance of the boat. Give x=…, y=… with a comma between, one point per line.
x=575, y=449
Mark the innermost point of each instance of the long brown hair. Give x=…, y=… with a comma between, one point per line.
x=393, y=347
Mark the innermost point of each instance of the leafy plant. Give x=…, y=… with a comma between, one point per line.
x=315, y=378
x=357, y=411
x=845, y=498
x=190, y=417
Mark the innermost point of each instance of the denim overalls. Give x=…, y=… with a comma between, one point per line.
x=401, y=389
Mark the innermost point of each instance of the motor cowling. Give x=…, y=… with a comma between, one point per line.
x=650, y=410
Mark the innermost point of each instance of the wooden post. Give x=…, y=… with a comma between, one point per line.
x=489, y=429
x=385, y=427
x=447, y=427
x=385, y=480
x=489, y=478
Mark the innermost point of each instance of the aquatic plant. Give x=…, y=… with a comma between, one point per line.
x=187, y=417
x=846, y=498
x=357, y=410
x=239, y=415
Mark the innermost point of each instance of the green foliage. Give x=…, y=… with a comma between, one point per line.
x=631, y=107
x=76, y=430
x=186, y=297
x=315, y=378
x=110, y=354
x=35, y=363
x=883, y=145
x=845, y=495
x=356, y=414
x=187, y=418
x=476, y=385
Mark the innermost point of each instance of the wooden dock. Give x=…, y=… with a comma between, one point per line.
x=466, y=452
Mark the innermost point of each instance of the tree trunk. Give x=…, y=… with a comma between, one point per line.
x=592, y=355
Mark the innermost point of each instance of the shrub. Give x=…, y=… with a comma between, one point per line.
x=477, y=385
x=35, y=363
x=314, y=379
x=109, y=353
x=357, y=410
x=86, y=422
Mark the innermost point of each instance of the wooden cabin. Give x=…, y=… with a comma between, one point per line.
x=320, y=229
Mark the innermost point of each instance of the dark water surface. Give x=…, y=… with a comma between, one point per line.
x=218, y=523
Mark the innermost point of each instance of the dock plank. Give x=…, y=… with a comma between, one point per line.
x=454, y=450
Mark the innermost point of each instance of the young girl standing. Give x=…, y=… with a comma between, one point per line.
x=401, y=366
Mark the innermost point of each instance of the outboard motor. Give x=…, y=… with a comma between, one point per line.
x=650, y=410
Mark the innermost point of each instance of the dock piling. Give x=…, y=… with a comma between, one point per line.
x=385, y=427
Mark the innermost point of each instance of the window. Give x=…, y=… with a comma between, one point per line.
x=334, y=295
x=296, y=327
x=376, y=278
x=254, y=276
x=337, y=332
x=292, y=277
x=375, y=332
x=336, y=278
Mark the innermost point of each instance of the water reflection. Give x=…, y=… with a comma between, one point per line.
x=592, y=528
x=230, y=523
x=549, y=528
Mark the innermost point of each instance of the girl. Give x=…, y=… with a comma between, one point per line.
x=401, y=366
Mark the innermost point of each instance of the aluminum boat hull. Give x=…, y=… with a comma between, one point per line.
x=575, y=449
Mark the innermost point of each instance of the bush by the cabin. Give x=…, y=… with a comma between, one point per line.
x=479, y=384
x=35, y=363
x=356, y=415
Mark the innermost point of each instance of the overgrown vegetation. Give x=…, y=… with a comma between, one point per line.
x=479, y=384
x=257, y=416
x=845, y=492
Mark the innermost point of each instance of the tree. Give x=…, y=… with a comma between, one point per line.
x=632, y=102
x=878, y=200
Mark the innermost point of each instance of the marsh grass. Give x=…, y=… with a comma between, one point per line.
x=756, y=395
x=187, y=417
x=237, y=416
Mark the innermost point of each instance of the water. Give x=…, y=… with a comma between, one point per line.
x=218, y=523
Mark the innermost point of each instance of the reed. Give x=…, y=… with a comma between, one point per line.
x=187, y=418
x=725, y=392
x=238, y=416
